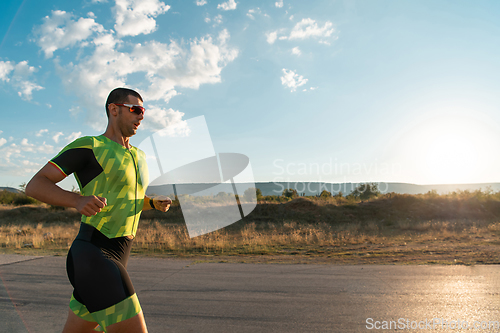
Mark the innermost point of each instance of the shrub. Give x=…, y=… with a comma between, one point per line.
x=7, y=198
x=18, y=199
x=366, y=191
x=325, y=194
x=290, y=193
x=23, y=199
x=271, y=198
x=251, y=193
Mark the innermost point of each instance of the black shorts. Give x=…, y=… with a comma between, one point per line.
x=96, y=267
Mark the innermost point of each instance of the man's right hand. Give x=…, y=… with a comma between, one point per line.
x=90, y=205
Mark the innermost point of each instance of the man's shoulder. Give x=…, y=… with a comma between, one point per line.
x=82, y=142
x=138, y=151
x=85, y=142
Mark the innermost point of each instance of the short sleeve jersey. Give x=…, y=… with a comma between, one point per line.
x=104, y=168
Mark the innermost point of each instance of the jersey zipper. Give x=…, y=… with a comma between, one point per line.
x=136, y=181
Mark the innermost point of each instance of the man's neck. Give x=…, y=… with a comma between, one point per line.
x=117, y=137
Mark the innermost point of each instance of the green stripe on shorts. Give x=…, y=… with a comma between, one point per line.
x=124, y=310
x=80, y=310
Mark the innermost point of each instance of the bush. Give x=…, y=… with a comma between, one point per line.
x=23, y=199
x=325, y=194
x=290, y=193
x=18, y=199
x=271, y=198
x=7, y=198
x=251, y=193
x=366, y=191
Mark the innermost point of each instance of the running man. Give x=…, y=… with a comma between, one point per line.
x=112, y=176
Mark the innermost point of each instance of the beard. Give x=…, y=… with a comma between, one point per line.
x=126, y=126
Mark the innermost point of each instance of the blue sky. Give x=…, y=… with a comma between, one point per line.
x=333, y=91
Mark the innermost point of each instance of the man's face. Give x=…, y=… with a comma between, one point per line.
x=129, y=121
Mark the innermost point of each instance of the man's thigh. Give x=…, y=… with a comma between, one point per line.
x=75, y=324
x=136, y=324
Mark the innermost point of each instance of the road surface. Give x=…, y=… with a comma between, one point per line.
x=182, y=296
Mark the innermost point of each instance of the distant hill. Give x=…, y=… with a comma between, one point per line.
x=10, y=189
x=314, y=188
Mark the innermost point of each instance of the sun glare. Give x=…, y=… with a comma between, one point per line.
x=450, y=148
x=451, y=158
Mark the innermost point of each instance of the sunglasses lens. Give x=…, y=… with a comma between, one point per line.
x=137, y=109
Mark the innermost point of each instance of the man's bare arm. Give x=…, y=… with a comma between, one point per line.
x=43, y=187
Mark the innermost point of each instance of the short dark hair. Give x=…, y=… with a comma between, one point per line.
x=120, y=95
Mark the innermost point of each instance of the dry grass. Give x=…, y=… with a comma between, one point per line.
x=39, y=236
x=386, y=230
x=455, y=241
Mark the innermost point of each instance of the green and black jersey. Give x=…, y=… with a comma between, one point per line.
x=106, y=169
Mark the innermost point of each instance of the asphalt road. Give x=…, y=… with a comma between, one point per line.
x=180, y=296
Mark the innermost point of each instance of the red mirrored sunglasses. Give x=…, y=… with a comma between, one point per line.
x=137, y=109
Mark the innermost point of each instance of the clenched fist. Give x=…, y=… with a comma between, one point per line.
x=90, y=205
x=162, y=203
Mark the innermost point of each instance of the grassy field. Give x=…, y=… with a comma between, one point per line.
x=457, y=228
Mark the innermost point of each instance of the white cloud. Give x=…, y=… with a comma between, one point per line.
x=296, y=51
x=56, y=137
x=257, y=10
x=26, y=146
x=271, y=37
x=217, y=20
x=292, y=80
x=7, y=152
x=27, y=89
x=279, y=4
x=291, y=17
x=6, y=67
x=46, y=148
x=2, y=141
x=201, y=2
x=60, y=31
x=165, y=67
x=107, y=62
x=20, y=78
x=23, y=70
x=75, y=110
x=29, y=163
x=16, y=157
x=40, y=132
x=309, y=28
x=250, y=13
x=229, y=5
x=135, y=17
x=170, y=120
x=73, y=136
